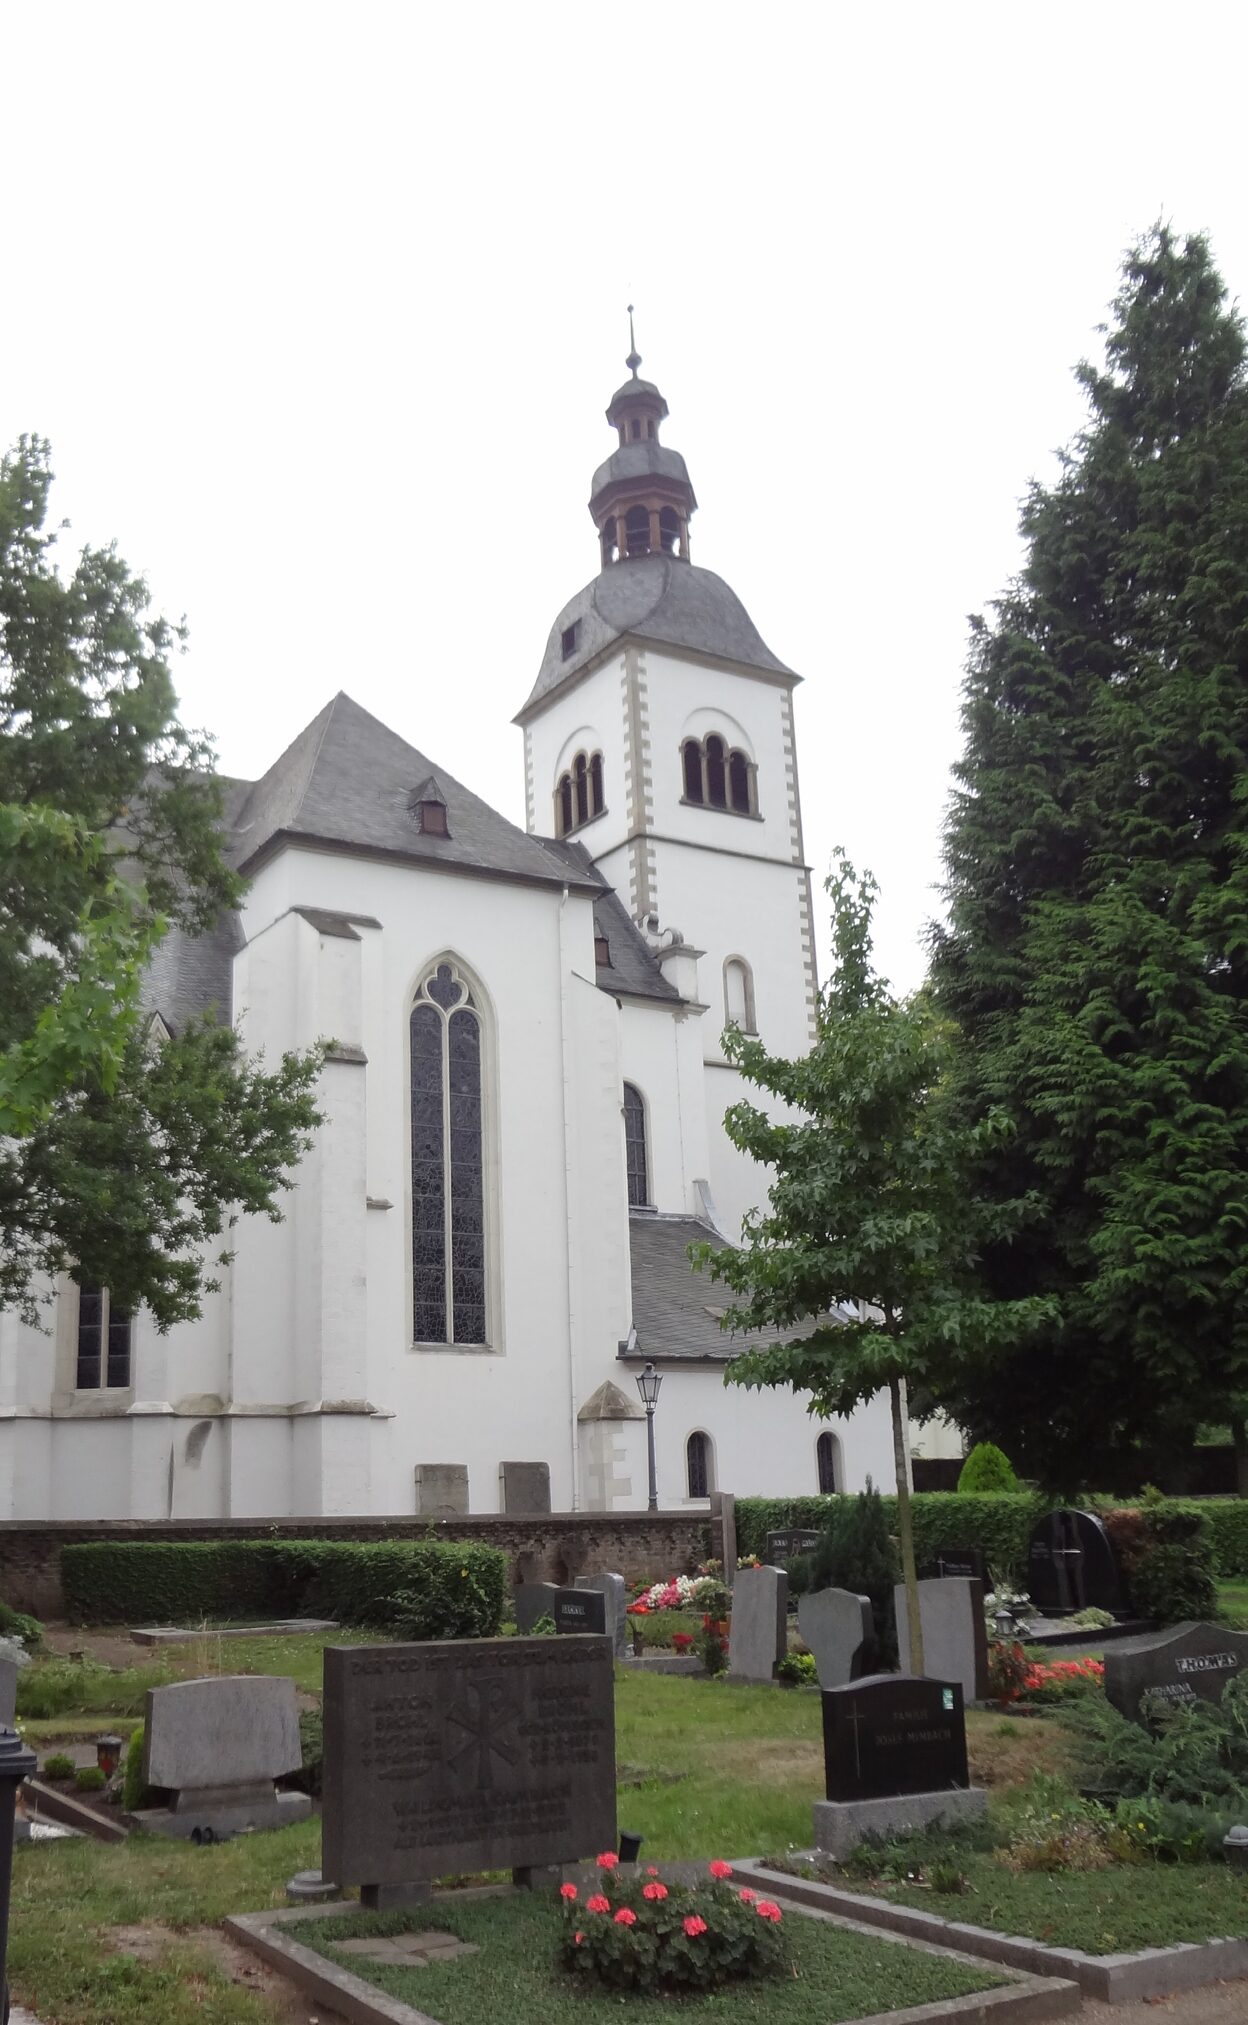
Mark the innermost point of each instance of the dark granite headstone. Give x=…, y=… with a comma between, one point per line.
x=477, y=1754
x=580, y=1610
x=1071, y=1565
x=967, y=1561
x=893, y=1733
x=534, y=1600
x=1184, y=1663
x=786, y=1546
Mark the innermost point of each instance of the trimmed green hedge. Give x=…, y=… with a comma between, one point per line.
x=412, y=1588
x=1000, y=1526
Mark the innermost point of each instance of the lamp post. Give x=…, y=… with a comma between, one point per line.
x=16, y=1764
x=648, y=1383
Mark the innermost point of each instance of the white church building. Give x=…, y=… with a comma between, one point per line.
x=523, y=1106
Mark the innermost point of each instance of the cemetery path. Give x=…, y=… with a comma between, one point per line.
x=1216, y=2004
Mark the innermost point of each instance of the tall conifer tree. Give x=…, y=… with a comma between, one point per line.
x=1096, y=957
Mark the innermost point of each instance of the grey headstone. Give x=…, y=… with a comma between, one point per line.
x=8, y=1692
x=442, y=1490
x=237, y=1730
x=534, y=1600
x=524, y=1486
x=839, y=1629
x=724, y=1525
x=955, y=1642
x=757, y=1632
x=1184, y=1663
x=612, y=1587
x=477, y=1754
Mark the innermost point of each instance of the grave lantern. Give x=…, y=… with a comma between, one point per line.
x=108, y=1754
x=648, y=1383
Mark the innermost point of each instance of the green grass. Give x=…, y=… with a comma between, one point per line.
x=516, y=1976
x=1233, y=1602
x=1145, y=1905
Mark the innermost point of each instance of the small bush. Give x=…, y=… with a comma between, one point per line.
x=134, y=1793
x=856, y=1552
x=59, y=1766
x=16, y=1624
x=798, y=1667
x=986, y=1473
x=1192, y=1754
x=312, y=1744
x=90, y=1779
x=543, y=1626
x=638, y=1933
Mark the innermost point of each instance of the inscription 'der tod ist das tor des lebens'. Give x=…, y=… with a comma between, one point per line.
x=488, y=1754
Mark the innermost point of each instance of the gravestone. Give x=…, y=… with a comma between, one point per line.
x=724, y=1532
x=442, y=1490
x=477, y=1754
x=1185, y=1663
x=8, y=1692
x=524, y=1486
x=534, y=1600
x=579, y=1610
x=894, y=1748
x=840, y=1631
x=955, y=1642
x=217, y=1746
x=965, y=1561
x=758, y=1627
x=1071, y=1565
x=785, y=1546
x=615, y=1622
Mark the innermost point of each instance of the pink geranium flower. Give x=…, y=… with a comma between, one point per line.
x=654, y=1891
x=626, y=1917
x=718, y=1869
x=608, y=1860
x=694, y=1925
x=577, y=1939
x=768, y=1910
x=598, y=1903
x=567, y=1891
x=747, y=1896
x=652, y=1870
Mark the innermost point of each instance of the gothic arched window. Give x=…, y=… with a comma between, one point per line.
x=739, y=995
x=699, y=1464
x=635, y=1147
x=448, y=1163
x=825, y=1458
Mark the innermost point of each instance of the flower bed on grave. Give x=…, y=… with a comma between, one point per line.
x=638, y=1933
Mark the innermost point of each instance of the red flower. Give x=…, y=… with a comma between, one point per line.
x=694, y=1925
x=608, y=1860
x=638, y=1610
x=626, y=1917
x=567, y=1891
x=747, y=1896
x=720, y=1869
x=655, y=1891
x=577, y=1939
x=767, y=1909
x=652, y=1870
x=598, y=1903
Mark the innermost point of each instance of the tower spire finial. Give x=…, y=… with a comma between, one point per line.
x=634, y=357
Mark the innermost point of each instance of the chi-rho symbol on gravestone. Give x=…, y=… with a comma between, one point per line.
x=490, y=1725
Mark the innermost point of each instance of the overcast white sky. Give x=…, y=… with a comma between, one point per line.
x=321, y=307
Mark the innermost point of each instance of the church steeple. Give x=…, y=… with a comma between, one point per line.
x=642, y=499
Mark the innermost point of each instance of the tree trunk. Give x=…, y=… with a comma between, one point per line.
x=1239, y=1435
x=905, y=1528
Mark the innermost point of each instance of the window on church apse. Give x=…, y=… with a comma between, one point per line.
x=448, y=1163
x=698, y=1464
x=635, y=1147
x=579, y=793
x=103, y=1348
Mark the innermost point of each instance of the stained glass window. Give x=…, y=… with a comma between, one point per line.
x=448, y=1163
x=103, y=1341
x=635, y=1147
x=698, y=1465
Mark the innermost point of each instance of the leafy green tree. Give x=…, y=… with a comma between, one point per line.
x=867, y=1209
x=120, y=1160
x=1095, y=962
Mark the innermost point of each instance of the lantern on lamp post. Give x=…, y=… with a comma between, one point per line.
x=648, y=1383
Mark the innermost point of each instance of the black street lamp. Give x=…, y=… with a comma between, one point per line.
x=16, y=1764
x=648, y=1383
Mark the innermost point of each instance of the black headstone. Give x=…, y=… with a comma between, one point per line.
x=580, y=1610
x=783, y=1547
x=1071, y=1565
x=965, y=1561
x=1185, y=1663
x=476, y=1754
x=893, y=1733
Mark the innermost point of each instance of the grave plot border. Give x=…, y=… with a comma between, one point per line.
x=1114, y=1979
x=1026, y=1999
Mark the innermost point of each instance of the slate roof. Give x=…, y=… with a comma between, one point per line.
x=190, y=975
x=675, y=1309
x=349, y=781
x=654, y=598
x=647, y=458
x=633, y=971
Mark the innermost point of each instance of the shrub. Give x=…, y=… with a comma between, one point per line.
x=134, y=1793
x=59, y=1766
x=16, y=1624
x=799, y=1668
x=1166, y=1555
x=90, y=1779
x=986, y=1473
x=641, y=1934
x=312, y=1744
x=1007, y=1669
x=1194, y=1754
x=416, y=1589
x=856, y=1552
x=1063, y=1681
x=711, y=1646
x=999, y=1526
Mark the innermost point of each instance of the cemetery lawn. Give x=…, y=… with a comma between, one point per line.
x=516, y=1976
x=1103, y=1912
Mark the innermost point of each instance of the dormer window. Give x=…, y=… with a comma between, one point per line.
x=569, y=638
x=579, y=794
x=602, y=952
x=432, y=819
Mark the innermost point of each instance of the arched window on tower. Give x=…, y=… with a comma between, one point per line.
x=635, y=428
x=637, y=530
x=635, y=1147
x=716, y=777
x=699, y=1464
x=739, y=995
x=825, y=1459
x=579, y=793
x=739, y=783
x=610, y=542
x=564, y=818
x=448, y=1163
x=669, y=529
x=595, y=785
x=580, y=775
x=691, y=759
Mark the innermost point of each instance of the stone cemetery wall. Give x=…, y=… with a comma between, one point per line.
x=490, y=1754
